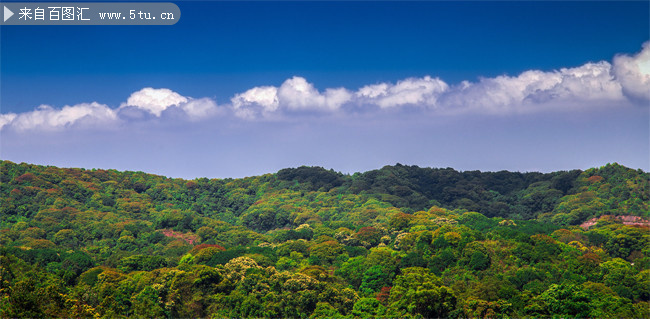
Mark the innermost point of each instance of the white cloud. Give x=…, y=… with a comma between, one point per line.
x=263, y=99
x=47, y=117
x=413, y=91
x=587, y=83
x=6, y=119
x=145, y=104
x=335, y=98
x=590, y=82
x=294, y=94
x=298, y=94
x=199, y=108
x=530, y=89
x=154, y=100
x=633, y=72
x=373, y=91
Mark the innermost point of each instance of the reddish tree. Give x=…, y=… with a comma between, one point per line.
x=383, y=294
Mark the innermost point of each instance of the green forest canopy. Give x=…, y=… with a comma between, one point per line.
x=400, y=241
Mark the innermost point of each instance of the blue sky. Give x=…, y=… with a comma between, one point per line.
x=244, y=88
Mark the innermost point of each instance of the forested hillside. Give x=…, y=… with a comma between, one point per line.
x=307, y=242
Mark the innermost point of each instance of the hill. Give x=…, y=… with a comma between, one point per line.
x=309, y=242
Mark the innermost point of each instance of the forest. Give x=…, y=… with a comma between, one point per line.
x=308, y=242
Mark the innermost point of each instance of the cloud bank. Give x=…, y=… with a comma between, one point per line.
x=46, y=117
x=633, y=72
x=144, y=104
x=589, y=83
x=624, y=81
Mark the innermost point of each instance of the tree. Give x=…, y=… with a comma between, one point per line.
x=368, y=308
x=566, y=300
x=142, y=262
x=479, y=261
x=325, y=253
x=418, y=291
x=374, y=278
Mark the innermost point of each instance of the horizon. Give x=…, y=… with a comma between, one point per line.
x=327, y=169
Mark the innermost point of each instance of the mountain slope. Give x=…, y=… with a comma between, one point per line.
x=400, y=241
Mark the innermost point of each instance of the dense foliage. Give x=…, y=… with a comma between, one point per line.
x=401, y=241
